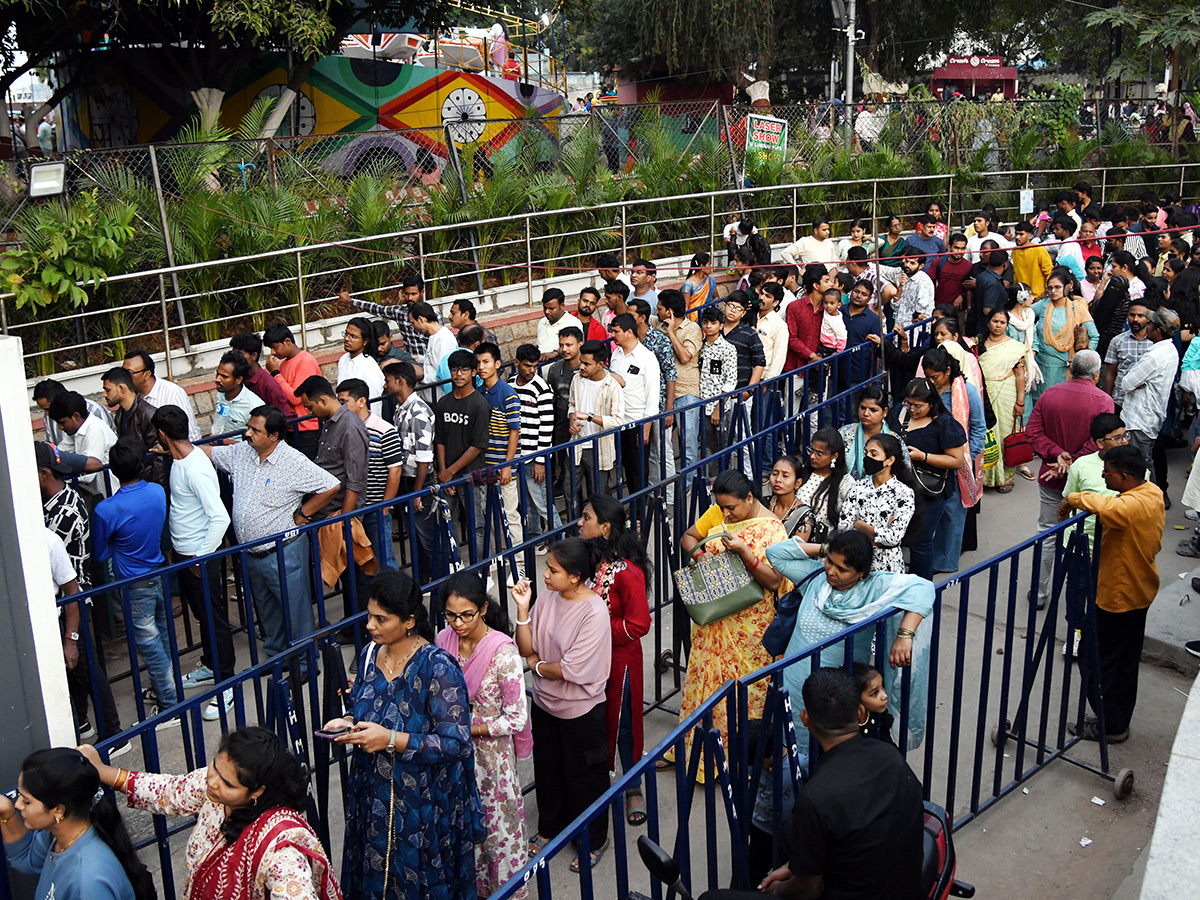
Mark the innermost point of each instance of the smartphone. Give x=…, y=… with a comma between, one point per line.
x=332, y=734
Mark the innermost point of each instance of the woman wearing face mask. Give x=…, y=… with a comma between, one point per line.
x=851, y=592
x=882, y=505
x=478, y=637
x=251, y=840
x=622, y=580
x=567, y=642
x=872, y=420
x=67, y=831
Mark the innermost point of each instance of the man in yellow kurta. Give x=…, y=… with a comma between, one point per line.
x=1031, y=262
x=1131, y=536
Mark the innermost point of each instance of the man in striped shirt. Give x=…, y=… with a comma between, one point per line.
x=414, y=428
x=412, y=290
x=537, y=436
x=504, y=434
x=384, y=468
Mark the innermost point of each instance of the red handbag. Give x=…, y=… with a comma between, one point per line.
x=1017, y=449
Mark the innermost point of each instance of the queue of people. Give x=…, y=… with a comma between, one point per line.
x=437, y=722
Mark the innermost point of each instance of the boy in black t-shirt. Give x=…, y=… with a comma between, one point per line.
x=460, y=436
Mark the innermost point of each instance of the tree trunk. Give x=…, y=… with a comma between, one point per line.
x=284, y=103
x=36, y=115
x=208, y=104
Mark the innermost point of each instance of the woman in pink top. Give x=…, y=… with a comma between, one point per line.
x=567, y=642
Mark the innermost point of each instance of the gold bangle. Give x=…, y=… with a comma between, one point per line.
x=121, y=780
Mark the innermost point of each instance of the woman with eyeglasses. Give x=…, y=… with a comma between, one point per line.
x=622, y=580
x=478, y=637
x=825, y=482
x=1064, y=325
x=413, y=815
x=937, y=448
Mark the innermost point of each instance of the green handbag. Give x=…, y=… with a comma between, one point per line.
x=716, y=586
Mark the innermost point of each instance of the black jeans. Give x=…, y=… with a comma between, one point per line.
x=570, y=766
x=220, y=639
x=1120, y=636
x=79, y=686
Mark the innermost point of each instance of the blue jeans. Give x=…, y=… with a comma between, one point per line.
x=948, y=533
x=148, y=624
x=920, y=557
x=379, y=533
x=539, y=499
x=689, y=424
x=266, y=589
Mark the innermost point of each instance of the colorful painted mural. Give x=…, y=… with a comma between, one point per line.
x=381, y=106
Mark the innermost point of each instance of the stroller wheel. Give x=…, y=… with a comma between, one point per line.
x=1123, y=784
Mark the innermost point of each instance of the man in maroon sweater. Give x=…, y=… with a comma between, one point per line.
x=1060, y=431
x=804, y=317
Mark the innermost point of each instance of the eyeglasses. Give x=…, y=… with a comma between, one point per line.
x=461, y=369
x=914, y=407
x=461, y=618
x=1119, y=439
x=813, y=451
x=135, y=371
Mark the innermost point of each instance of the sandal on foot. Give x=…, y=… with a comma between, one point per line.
x=537, y=844
x=594, y=856
x=1004, y=489
x=635, y=807
x=1024, y=472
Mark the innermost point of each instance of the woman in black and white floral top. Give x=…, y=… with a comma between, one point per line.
x=882, y=504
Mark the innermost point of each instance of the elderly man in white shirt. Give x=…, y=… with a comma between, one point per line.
x=159, y=392
x=1147, y=386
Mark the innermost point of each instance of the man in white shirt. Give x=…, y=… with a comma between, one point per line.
x=1069, y=254
x=45, y=391
x=441, y=343
x=554, y=319
x=772, y=330
x=159, y=392
x=1148, y=385
x=636, y=368
x=356, y=362
x=816, y=248
x=86, y=434
x=983, y=232
x=197, y=521
x=916, y=289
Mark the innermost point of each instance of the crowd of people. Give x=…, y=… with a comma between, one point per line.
x=1061, y=336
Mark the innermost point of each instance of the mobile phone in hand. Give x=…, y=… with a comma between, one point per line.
x=331, y=734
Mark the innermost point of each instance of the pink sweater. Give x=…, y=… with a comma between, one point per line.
x=576, y=635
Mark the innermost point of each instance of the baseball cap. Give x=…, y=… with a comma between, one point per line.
x=60, y=462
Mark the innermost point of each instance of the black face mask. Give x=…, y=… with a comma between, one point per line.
x=872, y=466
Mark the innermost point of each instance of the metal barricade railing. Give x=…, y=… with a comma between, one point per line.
x=783, y=415
x=1036, y=687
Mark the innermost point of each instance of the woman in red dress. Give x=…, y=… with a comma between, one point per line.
x=621, y=582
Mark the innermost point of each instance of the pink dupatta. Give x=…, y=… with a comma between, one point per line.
x=475, y=668
x=970, y=476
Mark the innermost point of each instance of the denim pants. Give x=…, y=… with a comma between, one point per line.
x=689, y=429
x=541, y=506
x=920, y=559
x=379, y=532
x=266, y=588
x=948, y=534
x=148, y=624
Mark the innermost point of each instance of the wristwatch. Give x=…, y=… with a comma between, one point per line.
x=72, y=635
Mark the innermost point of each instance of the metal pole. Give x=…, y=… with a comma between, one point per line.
x=162, y=212
x=166, y=321
x=850, y=10
x=3, y=316
x=300, y=302
x=528, y=262
x=421, y=254
x=795, y=215
x=1103, y=186
x=712, y=231
x=624, y=238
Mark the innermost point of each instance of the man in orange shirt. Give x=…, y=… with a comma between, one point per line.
x=291, y=366
x=1132, y=528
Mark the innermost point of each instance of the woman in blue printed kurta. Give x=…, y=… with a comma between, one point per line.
x=413, y=814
